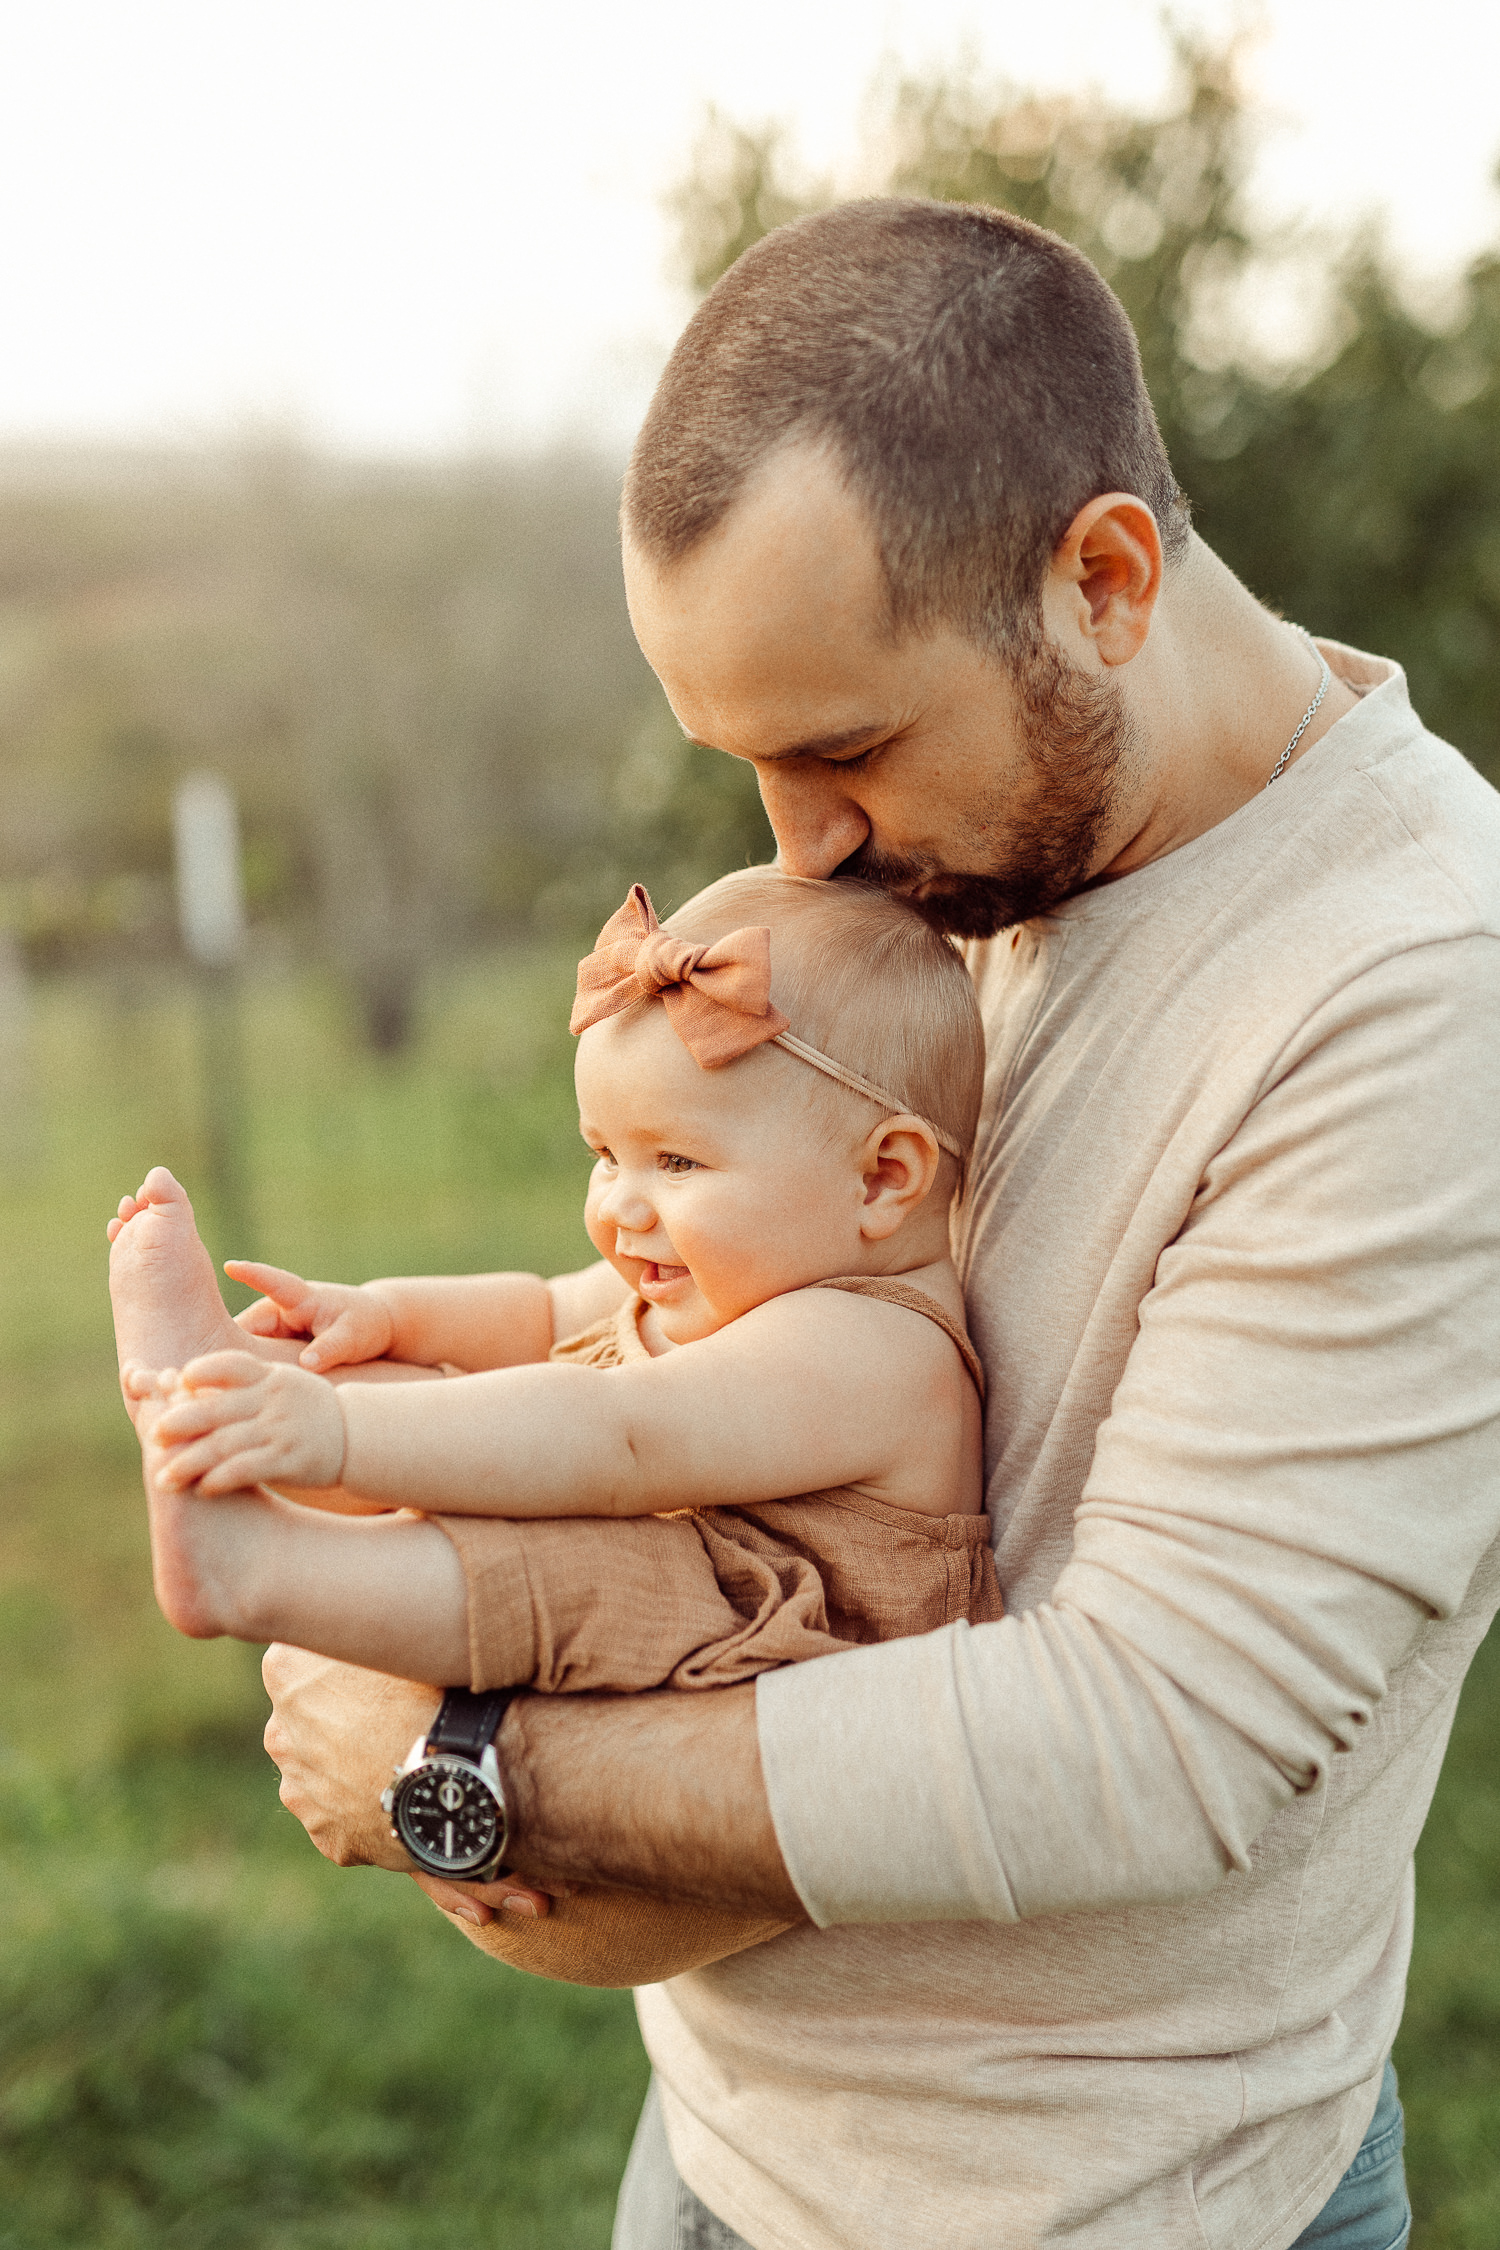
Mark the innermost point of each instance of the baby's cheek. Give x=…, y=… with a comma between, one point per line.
x=601, y=1236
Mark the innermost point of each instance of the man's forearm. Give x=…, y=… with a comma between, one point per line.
x=661, y=1793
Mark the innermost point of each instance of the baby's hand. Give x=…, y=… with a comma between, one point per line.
x=347, y=1325
x=232, y=1420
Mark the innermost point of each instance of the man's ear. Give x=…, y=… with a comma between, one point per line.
x=1104, y=579
x=898, y=1165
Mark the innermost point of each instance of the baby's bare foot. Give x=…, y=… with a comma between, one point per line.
x=161, y=1280
x=200, y=1550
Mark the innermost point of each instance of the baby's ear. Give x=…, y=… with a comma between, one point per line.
x=899, y=1163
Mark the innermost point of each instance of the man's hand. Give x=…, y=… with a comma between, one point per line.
x=660, y=1793
x=337, y=1733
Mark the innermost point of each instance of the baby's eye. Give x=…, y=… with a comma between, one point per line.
x=604, y=1156
x=675, y=1166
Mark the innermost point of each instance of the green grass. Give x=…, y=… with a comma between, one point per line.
x=208, y=2037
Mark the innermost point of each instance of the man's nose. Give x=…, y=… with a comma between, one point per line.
x=815, y=825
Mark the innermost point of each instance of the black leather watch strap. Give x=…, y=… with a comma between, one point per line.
x=466, y=1722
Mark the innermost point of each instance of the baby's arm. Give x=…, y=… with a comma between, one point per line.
x=474, y=1321
x=637, y=1605
x=808, y=1391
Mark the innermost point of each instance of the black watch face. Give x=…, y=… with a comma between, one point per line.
x=447, y=1816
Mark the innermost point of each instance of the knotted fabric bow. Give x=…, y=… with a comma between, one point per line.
x=717, y=997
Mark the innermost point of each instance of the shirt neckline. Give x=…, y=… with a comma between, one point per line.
x=1383, y=703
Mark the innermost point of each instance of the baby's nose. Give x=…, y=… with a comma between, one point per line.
x=628, y=1209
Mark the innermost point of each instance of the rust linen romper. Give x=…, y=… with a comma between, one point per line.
x=699, y=1598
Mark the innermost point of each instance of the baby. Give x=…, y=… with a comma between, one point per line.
x=766, y=1449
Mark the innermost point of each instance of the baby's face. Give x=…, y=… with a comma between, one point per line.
x=714, y=1189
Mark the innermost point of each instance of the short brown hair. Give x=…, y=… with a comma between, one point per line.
x=974, y=377
x=864, y=979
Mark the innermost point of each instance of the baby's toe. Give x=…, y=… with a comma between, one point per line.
x=160, y=1187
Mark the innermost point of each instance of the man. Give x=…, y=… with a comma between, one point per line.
x=1113, y=1897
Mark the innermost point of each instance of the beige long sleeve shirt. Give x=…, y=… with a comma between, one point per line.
x=1115, y=1894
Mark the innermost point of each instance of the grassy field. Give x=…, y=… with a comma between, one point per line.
x=209, y=2040
x=208, y=2037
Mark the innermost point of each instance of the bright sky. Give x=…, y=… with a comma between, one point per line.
x=422, y=228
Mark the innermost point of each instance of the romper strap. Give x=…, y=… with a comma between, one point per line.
x=891, y=1292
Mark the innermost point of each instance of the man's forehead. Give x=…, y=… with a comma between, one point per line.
x=793, y=526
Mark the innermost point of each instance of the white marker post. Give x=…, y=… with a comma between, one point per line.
x=211, y=916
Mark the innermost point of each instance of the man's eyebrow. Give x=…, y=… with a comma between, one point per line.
x=816, y=746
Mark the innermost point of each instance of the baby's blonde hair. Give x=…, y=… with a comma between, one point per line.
x=864, y=979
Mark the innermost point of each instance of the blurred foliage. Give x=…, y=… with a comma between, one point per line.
x=739, y=188
x=209, y=2038
x=421, y=683
x=1340, y=453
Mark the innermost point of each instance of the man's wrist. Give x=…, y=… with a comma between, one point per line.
x=515, y=1778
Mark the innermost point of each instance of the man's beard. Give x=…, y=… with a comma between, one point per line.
x=1076, y=734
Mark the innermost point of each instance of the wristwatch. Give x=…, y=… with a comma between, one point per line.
x=447, y=1805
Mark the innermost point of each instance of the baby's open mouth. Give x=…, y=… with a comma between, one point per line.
x=657, y=1276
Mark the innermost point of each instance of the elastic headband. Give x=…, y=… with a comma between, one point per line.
x=717, y=998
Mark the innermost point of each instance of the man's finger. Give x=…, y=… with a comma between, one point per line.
x=480, y=1902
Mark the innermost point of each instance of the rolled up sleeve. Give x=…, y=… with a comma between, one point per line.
x=1298, y=1474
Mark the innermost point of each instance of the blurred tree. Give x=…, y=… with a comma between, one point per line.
x=420, y=684
x=1348, y=470
x=740, y=186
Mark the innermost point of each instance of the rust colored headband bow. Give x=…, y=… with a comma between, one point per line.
x=717, y=997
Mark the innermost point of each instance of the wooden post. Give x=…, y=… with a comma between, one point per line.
x=211, y=916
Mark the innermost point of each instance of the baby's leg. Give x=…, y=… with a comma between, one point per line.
x=161, y=1281
x=388, y=1594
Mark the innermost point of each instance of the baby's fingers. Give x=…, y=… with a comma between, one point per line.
x=218, y=1463
x=192, y=1414
x=288, y=1290
x=224, y=1371
x=242, y=1472
x=347, y=1343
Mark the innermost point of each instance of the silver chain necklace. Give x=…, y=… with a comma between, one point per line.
x=1312, y=709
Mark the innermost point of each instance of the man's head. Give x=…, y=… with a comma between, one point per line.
x=842, y=523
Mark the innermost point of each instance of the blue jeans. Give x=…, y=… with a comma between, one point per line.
x=1368, y=2209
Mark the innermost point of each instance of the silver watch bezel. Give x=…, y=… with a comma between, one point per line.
x=487, y=1768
